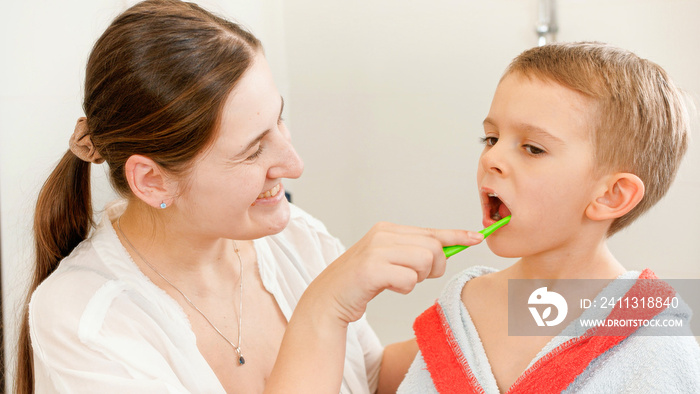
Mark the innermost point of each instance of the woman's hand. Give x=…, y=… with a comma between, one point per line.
x=389, y=256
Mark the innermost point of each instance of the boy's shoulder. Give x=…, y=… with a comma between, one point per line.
x=669, y=364
x=457, y=282
x=476, y=287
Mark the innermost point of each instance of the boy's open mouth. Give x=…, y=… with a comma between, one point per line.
x=497, y=209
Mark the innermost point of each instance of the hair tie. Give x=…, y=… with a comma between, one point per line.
x=81, y=144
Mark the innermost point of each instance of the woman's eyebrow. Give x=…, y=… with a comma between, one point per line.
x=254, y=142
x=261, y=135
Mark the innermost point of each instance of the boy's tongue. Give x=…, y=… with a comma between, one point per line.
x=502, y=212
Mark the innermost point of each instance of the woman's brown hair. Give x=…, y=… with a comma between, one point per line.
x=155, y=85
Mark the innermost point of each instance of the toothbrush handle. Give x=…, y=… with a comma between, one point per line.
x=490, y=229
x=454, y=249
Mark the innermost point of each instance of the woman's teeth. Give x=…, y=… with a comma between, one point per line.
x=270, y=193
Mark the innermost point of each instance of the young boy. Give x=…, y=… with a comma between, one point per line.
x=580, y=140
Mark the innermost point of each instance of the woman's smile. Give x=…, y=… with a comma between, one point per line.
x=272, y=196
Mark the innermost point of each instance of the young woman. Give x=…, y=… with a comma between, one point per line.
x=202, y=278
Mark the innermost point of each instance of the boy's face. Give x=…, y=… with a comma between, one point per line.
x=538, y=161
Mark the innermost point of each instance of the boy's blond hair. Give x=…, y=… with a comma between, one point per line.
x=642, y=123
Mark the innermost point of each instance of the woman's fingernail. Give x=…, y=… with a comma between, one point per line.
x=476, y=236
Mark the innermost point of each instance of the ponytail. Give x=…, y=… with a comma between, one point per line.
x=62, y=219
x=155, y=85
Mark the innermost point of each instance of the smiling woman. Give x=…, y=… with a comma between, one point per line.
x=201, y=278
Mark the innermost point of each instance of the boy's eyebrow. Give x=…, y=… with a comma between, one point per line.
x=263, y=134
x=530, y=129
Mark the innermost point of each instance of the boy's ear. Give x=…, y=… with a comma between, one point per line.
x=619, y=195
x=147, y=181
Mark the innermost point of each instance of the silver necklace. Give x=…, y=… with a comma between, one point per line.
x=241, y=360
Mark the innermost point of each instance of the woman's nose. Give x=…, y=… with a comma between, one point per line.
x=295, y=165
x=288, y=164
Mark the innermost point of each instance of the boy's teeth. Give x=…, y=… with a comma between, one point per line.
x=270, y=193
x=493, y=195
x=496, y=216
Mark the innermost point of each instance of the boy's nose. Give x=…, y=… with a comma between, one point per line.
x=491, y=161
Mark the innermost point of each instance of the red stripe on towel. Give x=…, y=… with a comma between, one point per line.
x=555, y=371
x=558, y=369
x=442, y=354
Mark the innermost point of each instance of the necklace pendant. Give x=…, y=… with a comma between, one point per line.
x=241, y=360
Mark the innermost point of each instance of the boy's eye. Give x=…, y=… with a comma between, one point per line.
x=489, y=141
x=533, y=150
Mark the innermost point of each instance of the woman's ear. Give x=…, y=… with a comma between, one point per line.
x=148, y=182
x=620, y=194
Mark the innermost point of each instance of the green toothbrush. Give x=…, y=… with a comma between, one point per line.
x=453, y=250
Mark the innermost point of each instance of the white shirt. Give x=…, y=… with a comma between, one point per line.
x=99, y=325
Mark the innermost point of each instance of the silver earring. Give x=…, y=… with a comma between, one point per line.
x=163, y=205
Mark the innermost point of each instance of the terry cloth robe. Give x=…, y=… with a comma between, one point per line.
x=452, y=359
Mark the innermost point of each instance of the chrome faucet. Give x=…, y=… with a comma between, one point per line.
x=547, y=24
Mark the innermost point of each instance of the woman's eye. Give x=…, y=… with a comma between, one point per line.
x=533, y=150
x=489, y=141
x=256, y=154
